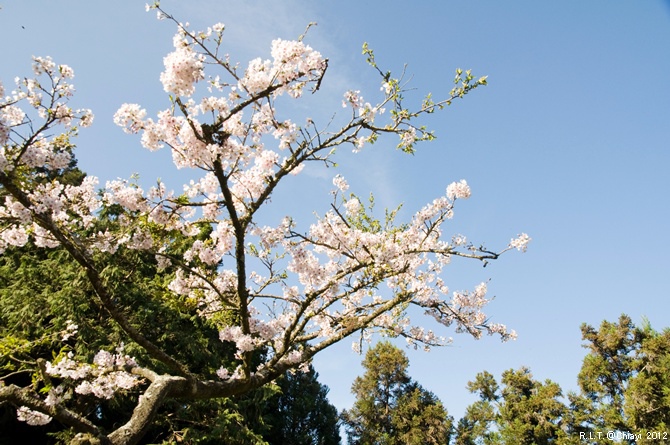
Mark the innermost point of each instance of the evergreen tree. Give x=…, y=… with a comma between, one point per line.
x=475, y=426
x=419, y=418
x=300, y=413
x=647, y=405
x=624, y=381
x=606, y=371
x=524, y=411
x=625, y=389
x=392, y=409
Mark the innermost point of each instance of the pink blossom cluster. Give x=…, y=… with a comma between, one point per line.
x=183, y=68
x=127, y=195
x=408, y=137
x=55, y=396
x=224, y=374
x=292, y=61
x=31, y=417
x=458, y=190
x=70, y=330
x=50, y=105
x=44, y=153
x=268, y=334
x=360, y=108
x=10, y=116
x=108, y=374
x=340, y=183
x=520, y=243
x=73, y=206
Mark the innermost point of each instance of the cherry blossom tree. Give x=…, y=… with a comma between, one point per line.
x=266, y=286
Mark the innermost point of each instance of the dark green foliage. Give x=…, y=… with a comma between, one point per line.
x=420, y=418
x=532, y=409
x=625, y=379
x=607, y=368
x=648, y=394
x=475, y=426
x=390, y=408
x=233, y=421
x=300, y=414
x=522, y=411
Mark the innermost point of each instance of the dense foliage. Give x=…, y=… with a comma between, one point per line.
x=391, y=408
x=300, y=413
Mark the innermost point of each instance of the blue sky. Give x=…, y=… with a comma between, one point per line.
x=569, y=143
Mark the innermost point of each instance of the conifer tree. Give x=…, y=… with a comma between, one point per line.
x=390, y=407
x=625, y=381
x=300, y=413
x=522, y=411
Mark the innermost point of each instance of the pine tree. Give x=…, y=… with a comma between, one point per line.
x=300, y=413
x=392, y=409
x=522, y=411
x=625, y=380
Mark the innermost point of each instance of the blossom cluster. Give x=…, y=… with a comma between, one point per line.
x=291, y=62
x=31, y=417
x=50, y=105
x=183, y=68
x=520, y=243
x=105, y=377
x=108, y=374
x=74, y=205
x=70, y=330
x=363, y=109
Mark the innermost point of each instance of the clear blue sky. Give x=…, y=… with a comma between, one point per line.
x=570, y=142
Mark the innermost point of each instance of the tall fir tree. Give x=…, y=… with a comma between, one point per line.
x=625, y=382
x=390, y=408
x=300, y=413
